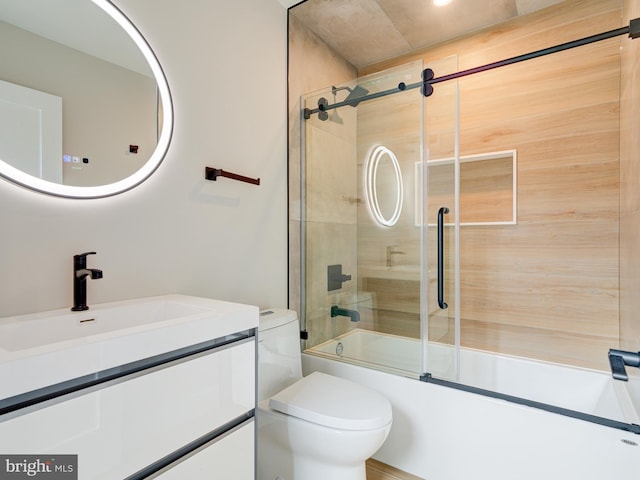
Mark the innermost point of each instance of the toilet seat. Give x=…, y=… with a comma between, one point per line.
x=333, y=402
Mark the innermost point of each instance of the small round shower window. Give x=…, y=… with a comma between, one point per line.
x=383, y=186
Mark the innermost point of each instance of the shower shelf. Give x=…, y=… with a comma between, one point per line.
x=213, y=174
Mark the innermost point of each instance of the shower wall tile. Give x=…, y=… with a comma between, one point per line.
x=331, y=184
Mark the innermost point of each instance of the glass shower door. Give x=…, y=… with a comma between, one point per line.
x=359, y=222
x=441, y=228
x=389, y=239
x=329, y=215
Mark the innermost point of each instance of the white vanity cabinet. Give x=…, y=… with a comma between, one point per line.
x=229, y=458
x=184, y=414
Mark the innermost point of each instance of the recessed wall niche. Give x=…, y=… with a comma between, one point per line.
x=488, y=187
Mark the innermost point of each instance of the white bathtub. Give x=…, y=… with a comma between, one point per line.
x=442, y=433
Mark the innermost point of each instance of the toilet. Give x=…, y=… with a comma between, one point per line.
x=318, y=427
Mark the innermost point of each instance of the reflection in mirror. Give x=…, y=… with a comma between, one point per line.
x=85, y=110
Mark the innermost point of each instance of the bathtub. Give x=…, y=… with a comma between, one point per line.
x=443, y=433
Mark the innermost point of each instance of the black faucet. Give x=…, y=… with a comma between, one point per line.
x=80, y=274
x=354, y=315
x=618, y=359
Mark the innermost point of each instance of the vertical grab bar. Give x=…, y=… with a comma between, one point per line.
x=441, y=214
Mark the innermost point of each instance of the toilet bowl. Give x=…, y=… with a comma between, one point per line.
x=317, y=427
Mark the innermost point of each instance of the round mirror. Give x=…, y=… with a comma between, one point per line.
x=384, y=189
x=85, y=109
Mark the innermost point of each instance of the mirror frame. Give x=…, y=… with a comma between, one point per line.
x=43, y=186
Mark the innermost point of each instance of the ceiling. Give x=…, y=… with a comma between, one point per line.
x=369, y=31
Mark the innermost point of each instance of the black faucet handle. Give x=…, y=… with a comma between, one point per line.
x=618, y=359
x=80, y=261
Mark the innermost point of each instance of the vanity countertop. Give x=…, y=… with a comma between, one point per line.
x=42, y=349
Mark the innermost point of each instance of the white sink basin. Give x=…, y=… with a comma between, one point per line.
x=29, y=331
x=38, y=350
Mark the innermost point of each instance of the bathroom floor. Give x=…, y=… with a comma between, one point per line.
x=380, y=471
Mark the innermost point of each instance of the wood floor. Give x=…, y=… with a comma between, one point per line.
x=379, y=471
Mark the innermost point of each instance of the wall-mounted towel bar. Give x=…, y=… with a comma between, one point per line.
x=214, y=173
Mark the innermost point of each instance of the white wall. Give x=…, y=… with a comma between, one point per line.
x=226, y=66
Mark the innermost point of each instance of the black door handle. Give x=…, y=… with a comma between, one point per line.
x=441, y=214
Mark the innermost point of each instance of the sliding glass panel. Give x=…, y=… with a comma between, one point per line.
x=363, y=245
x=540, y=295
x=441, y=227
x=389, y=240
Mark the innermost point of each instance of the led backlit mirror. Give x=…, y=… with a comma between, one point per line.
x=85, y=109
x=383, y=186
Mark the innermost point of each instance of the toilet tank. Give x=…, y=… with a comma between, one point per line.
x=279, y=359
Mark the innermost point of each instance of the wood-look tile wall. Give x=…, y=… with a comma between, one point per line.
x=547, y=287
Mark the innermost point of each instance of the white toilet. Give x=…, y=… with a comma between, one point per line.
x=319, y=427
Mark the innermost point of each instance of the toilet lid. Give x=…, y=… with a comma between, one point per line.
x=333, y=402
